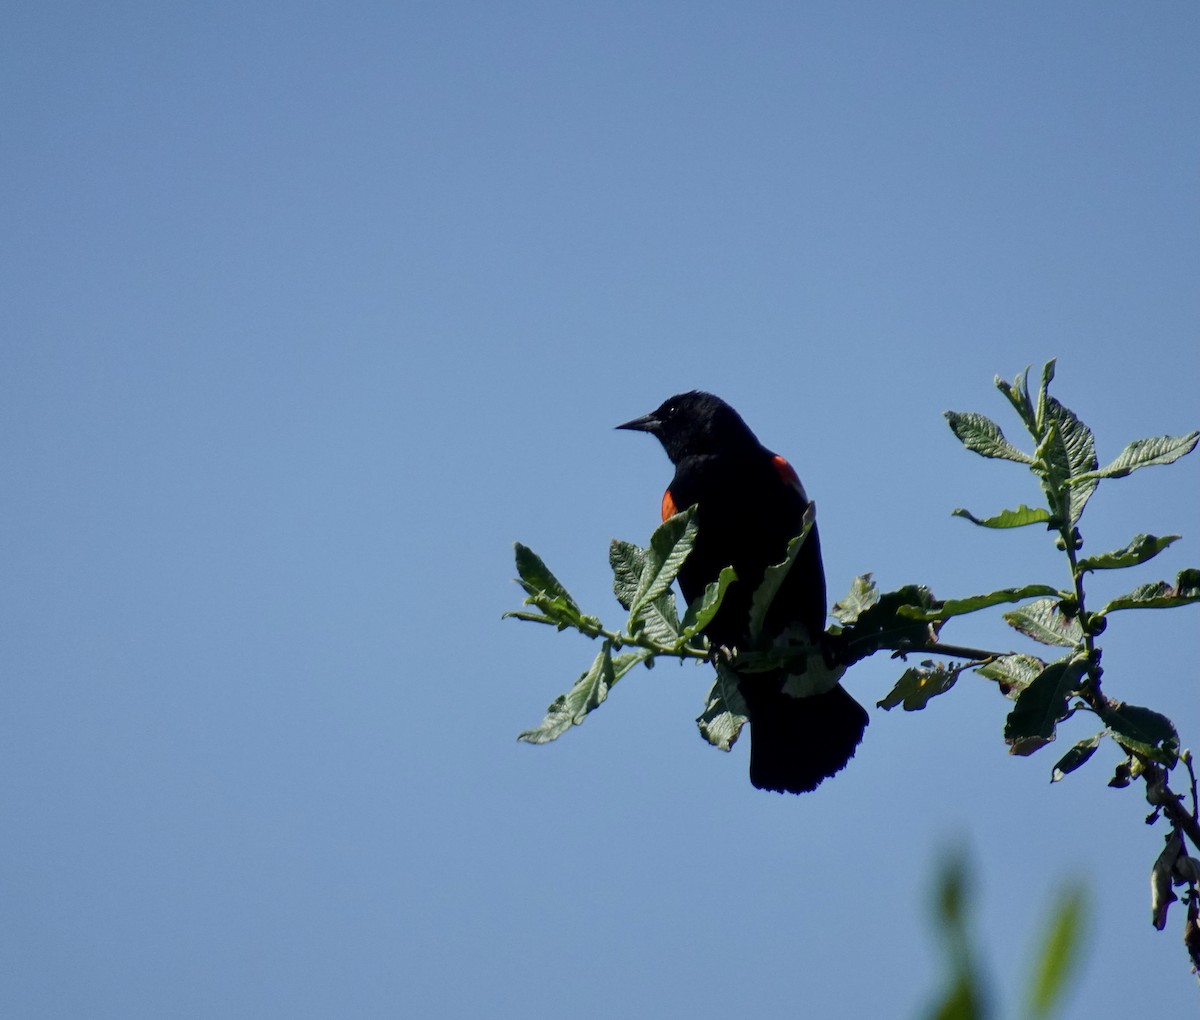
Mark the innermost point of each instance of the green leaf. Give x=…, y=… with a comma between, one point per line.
x=916, y=686
x=775, y=575
x=1143, y=730
x=536, y=578
x=974, y=603
x=1068, y=451
x=586, y=694
x=1140, y=549
x=702, y=610
x=1075, y=757
x=1031, y=723
x=1017, y=394
x=530, y=617
x=1148, y=452
x=545, y=592
x=725, y=713
x=816, y=677
x=982, y=435
x=658, y=620
x=1012, y=673
x=627, y=561
x=1160, y=595
x=895, y=621
x=1018, y=518
x=1059, y=953
x=670, y=545
x=1044, y=621
x=1043, y=393
x=862, y=596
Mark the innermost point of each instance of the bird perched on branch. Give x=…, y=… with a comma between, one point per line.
x=750, y=504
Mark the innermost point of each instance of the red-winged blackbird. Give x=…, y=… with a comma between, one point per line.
x=750, y=504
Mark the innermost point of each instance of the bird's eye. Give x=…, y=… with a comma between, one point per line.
x=671, y=409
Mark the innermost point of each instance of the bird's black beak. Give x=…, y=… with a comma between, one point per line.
x=646, y=423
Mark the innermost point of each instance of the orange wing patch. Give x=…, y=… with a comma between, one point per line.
x=669, y=509
x=788, y=474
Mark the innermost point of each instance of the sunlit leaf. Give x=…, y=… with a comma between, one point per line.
x=974, y=603
x=1148, y=452
x=916, y=686
x=659, y=620
x=670, y=545
x=863, y=594
x=1017, y=518
x=982, y=435
x=586, y=694
x=1044, y=621
x=627, y=561
x=545, y=592
x=1069, y=452
x=1140, y=549
x=702, y=610
x=1012, y=673
x=1160, y=595
x=725, y=713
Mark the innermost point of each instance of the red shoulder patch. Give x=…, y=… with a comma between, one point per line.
x=788, y=474
x=669, y=509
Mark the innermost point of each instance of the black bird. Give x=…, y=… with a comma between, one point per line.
x=750, y=504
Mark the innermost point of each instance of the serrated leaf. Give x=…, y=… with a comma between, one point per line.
x=1040, y=706
x=980, y=434
x=659, y=620
x=916, y=687
x=863, y=594
x=627, y=561
x=1149, y=452
x=1017, y=518
x=670, y=545
x=1076, y=757
x=775, y=575
x=1143, y=730
x=974, y=603
x=725, y=713
x=702, y=610
x=1012, y=673
x=585, y=695
x=1059, y=953
x=1044, y=621
x=1160, y=595
x=1140, y=549
x=1068, y=451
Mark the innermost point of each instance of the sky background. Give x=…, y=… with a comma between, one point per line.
x=311, y=310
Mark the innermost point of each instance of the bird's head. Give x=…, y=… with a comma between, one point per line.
x=695, y=423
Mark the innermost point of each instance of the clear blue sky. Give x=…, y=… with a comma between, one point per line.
x=312, y=310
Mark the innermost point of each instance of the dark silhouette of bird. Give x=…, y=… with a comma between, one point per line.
x=750, y=504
